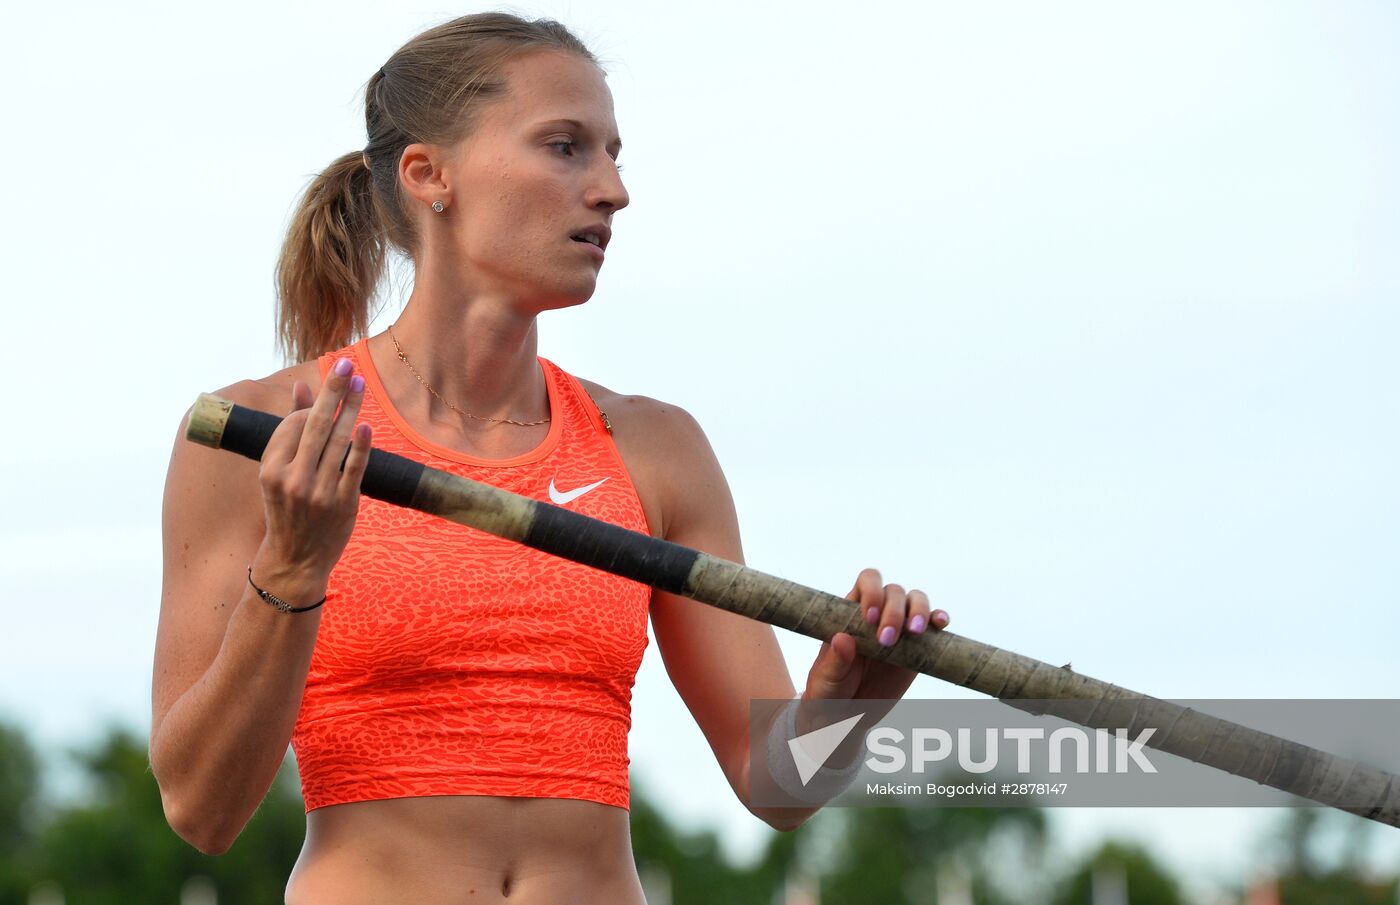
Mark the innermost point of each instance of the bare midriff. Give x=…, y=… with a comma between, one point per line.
x=463, y=850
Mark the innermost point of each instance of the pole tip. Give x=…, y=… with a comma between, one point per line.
x=208, y=419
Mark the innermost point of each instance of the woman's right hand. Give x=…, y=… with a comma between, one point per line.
x=309, y=501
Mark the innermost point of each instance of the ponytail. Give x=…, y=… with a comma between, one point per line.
x=331, y=262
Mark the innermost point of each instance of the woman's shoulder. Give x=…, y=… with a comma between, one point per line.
x=653, y=435
x=211, y=494
x=672, y=463
x=273, y=393
x=659, y=422
x=194, y=468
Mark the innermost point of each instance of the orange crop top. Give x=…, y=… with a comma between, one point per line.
x=451, y=662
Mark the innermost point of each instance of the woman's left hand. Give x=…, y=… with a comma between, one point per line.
x=840, y=673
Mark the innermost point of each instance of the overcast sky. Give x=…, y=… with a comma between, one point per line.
x=1079, y=316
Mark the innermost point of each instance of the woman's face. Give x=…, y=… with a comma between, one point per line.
x=537, y=175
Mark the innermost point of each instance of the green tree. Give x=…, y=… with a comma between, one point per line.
x=1335, y=887
x=1308, y=878
x=1147, y=882
x=19, y=797
x=698, y=870
x=116, y=848
x=897, y=855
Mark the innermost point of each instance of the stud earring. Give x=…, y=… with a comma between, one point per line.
x=437, y=206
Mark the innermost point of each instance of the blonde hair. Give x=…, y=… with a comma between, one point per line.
x=430, y=90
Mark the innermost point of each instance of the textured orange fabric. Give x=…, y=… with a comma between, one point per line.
x=451, y=662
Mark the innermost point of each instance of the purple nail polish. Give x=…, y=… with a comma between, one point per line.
x=343, y=367
x=887, y=635
x=917, y=624
x=872, y=615
x=357, y=384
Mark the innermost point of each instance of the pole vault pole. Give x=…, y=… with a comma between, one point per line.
x=1198, y=737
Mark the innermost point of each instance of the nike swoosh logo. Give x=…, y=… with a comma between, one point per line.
x=560, y=499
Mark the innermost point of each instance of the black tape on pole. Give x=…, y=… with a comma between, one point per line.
x=611, y=548
x=388, y=477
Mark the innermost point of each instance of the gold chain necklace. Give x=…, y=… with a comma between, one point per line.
x=403, y=357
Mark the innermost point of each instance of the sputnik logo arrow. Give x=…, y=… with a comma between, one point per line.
x=810, y=751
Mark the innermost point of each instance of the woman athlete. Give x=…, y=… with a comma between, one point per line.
x=459, y=707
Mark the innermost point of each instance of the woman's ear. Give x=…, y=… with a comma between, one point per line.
x=421, y=171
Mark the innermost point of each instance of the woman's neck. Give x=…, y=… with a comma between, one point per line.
x=479, y=356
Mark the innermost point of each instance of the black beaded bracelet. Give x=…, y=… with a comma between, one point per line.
x=281, y=605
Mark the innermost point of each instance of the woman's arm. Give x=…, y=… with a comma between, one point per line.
x=229, y=668
x=719, y=660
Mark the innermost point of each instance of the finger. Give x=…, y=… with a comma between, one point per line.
x=355, y=463
x=918, y=608
x=321, y=417
x=337, y=445
x=831, y=676
x=892, y=615
x=285, y=439
x=868, y=595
